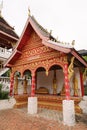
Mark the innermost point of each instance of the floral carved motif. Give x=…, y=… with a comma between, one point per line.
x=47, y=63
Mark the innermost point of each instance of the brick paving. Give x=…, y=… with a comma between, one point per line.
x=19, y=119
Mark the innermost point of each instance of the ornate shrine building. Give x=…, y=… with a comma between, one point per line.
x=44, y=67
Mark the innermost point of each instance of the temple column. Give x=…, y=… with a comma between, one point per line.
x=25, y=85
x=68, y=105
x=33, y=85
x=82, y=86
x=11, y=84
x=54, y=83
x=67, y=86
x=16, y=85
x=32, y=101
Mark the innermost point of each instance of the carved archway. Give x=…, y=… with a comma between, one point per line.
x=41, y=81
x=27, y=73
x=27, y=81
x=57, y=78
x=17, y=75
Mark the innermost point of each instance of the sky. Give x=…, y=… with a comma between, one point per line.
x=66, y=18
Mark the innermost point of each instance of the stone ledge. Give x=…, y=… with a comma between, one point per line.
x=7, y=103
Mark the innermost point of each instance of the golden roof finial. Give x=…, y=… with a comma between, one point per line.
x=1, y=7
x=50, y=32
x=57, y=38
x=29, y=12
x=73, y=42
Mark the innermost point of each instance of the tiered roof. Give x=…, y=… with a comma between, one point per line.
x=7, y=34
x=6, y=28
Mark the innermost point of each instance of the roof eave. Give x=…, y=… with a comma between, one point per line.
x=56, y=47
x=13, y=55
x=9, y=35
x=77, y=55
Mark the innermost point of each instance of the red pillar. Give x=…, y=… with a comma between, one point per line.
x=11, y=84
x=67, y=86
x=33, y=85
x=82, y=86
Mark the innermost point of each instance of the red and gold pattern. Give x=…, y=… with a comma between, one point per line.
x=33, y=85
x=67, y=87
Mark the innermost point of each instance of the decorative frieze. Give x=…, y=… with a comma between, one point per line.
x=42, y=63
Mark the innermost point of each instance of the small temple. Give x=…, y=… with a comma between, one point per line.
x=44, y=67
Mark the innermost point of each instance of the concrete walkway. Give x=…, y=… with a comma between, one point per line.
x=18, y=119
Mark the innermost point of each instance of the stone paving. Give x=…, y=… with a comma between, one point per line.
x=19, y=119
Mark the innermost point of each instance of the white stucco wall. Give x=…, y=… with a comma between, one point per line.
x=20, y=86
x=47, y=81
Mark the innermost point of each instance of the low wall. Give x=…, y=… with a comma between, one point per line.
x=7, y=103
x=83, y=104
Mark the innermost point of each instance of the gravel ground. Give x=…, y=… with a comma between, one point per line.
x=19, y=119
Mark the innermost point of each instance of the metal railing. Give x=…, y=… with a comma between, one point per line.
x=5, y=53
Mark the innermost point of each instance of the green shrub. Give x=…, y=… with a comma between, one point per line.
x=3, y=94
x=0, y=87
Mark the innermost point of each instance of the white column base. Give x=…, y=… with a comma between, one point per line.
x=32, y=105
x=68, y=112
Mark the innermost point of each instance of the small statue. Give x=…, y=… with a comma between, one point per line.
x=25, y=85
x=70, y=68
x=54, y=83
x=75, y=86
x=63, y=91
x=16, y=85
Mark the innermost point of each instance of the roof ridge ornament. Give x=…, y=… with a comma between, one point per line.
x=50, y=32
x=29, y=12
x=1, y=7
x=73, y=42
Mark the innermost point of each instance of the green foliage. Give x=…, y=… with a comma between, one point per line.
x=85, y=57
x=7, y=73
x=0, y=87
x=3, y=94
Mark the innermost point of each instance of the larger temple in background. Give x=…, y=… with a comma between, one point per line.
x=44, y=67
x=8, y=40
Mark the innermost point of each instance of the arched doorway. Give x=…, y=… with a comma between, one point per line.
x=42, y=86
x=27, y=81
x=52, y=83
x=17, y=76
x=57, y=79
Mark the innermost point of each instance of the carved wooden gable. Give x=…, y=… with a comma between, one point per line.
x=34, y=50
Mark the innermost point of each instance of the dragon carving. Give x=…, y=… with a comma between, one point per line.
x=70, y=68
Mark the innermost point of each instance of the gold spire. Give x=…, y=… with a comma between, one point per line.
x=1, y=7
x=29, y=12
x=73, y=42
x=50, y=32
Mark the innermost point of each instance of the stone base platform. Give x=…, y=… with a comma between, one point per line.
x=52, y=102
x=21, y=100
